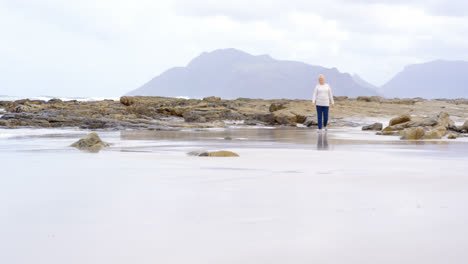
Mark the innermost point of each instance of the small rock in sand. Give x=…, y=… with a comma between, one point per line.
x=452, y=135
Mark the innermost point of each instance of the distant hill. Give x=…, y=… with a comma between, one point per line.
x=232, y=73
x=435, y=79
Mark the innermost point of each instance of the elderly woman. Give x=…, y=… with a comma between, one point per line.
x=321, y=99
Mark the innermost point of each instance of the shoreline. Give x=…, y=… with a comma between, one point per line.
x=174, y=114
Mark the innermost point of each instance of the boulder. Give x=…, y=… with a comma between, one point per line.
x=127, y=100
x=90, y=143
x=212, y=99
x=276, y=106
x=412, y=133
x=452, y=135
x=443, y=119
x=220, y=153
x=284, y=117
x=310, y=121
x=436, y=133
x=399, y=119
x=375, y=126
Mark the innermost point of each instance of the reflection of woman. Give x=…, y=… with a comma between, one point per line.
x=322, y=142
x=322, y=97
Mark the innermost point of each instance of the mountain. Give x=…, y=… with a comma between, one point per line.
x=435, y=79
x=357, y=79
x=231, y=73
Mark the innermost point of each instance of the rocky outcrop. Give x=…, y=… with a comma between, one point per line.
x=375, y=126
x=157, y=113
x=440, y=120
x=220, y=153
x=90, y=143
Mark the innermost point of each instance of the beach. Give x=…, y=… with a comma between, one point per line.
x=293, y=196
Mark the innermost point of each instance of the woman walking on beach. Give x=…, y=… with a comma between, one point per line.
x=321, y=99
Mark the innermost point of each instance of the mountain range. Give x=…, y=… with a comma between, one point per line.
x=231, y=73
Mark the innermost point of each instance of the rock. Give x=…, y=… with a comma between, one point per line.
x=20, y=109
x=212, y=99
x=127, y=100
x=399, y=119
x=285, y=117
x=228, y=138
x=223, y=153
x=90, y=143
x=310, y=121
x=465, y=126
x=412, y=133
x=375, y=126
x=390, y=133
x=266, y=118
x=220, y=153
x=443, y=119
x=436, y=133
x=452, y=135
x=276, y=106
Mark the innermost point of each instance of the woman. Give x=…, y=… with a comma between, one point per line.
x=322, y=97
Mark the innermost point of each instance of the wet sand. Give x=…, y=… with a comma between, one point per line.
x=292, y=196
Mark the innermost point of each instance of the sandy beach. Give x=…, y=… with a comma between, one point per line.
x=292, y=196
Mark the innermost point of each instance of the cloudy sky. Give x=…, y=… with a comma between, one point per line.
x=109, y=47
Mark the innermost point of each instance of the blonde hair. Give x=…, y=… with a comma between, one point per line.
x=321, y=76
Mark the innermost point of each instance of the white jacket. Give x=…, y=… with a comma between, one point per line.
x=323, y=95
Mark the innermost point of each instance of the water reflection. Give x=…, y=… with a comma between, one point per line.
x=322, y=141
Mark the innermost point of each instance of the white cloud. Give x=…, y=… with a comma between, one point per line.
x=108, y=47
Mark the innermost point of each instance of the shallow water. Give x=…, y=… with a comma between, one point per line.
x=288, y=198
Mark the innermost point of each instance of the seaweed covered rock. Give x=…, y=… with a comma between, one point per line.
x=90, y=143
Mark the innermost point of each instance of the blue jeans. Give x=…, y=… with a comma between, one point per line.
x=322, y=110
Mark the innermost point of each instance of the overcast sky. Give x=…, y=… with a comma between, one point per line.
x=109, y=47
